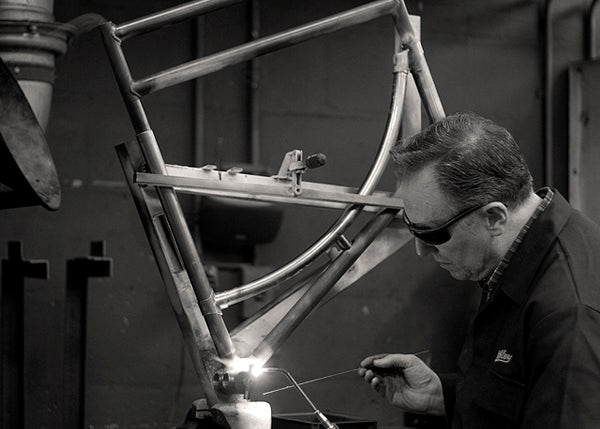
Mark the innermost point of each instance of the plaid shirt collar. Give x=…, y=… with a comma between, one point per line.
x=490, y=283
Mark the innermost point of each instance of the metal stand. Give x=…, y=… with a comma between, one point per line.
x=14, y=271
x=79, y=270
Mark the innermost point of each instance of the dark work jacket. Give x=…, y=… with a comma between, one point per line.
x=532, y=356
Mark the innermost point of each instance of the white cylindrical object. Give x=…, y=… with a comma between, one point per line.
x=29, y=42
x=241, y=415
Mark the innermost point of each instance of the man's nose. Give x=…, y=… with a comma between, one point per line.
x=422, y=248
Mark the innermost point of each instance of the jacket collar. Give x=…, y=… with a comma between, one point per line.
x=533, y=249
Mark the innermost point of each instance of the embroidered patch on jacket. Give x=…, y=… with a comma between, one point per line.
x=503, y=356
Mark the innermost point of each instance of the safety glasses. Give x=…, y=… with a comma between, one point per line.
x=439, y=234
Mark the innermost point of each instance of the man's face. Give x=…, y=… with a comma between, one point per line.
x=468, y=253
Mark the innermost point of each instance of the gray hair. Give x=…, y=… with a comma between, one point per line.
x=476, y=161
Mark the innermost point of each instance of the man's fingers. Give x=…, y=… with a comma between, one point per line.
x=369, y=360
x=398, y=361
x=368, y=375
x=376, y=384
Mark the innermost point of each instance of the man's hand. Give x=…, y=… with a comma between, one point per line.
x=405, y=381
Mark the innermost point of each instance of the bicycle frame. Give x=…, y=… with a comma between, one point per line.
x=155, y=184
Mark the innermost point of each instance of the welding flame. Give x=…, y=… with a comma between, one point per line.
x=238, y=364
x=256, y=370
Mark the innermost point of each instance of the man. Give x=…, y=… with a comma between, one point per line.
x=532, y=356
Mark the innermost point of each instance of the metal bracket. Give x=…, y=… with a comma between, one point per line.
x=291, y=169
x=294, y=166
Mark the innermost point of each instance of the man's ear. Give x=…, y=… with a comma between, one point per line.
x=496, y=217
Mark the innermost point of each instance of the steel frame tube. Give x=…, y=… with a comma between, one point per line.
x=168, y=198
x=407, y=39
x=183, y=299
x=212, y=63
x=326, y=240
x=187, y=248
x=122, y=73
x=424, y=82
x=169, y=16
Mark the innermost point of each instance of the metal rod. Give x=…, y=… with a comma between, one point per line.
x=311, y=381
x=168, y=197
x=169, y=16
x=122, y=74
x=213, y=175
x=324, y=420
x=177, y=284
x=277, y=199
x=294, y=384
x=203, y=66
x=187, y=248
x=326, y=377
x=253, y=190
x=286, y=271
x=408, y=39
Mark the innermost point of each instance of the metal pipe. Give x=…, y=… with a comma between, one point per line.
x=122, y=73
x=407, y=39
x=169, y=16
x=183, y=299
x=187, y=248
x=286, y=271
x=168, y=198
x=212, y=63
x=278, y=192
x=592, y=30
